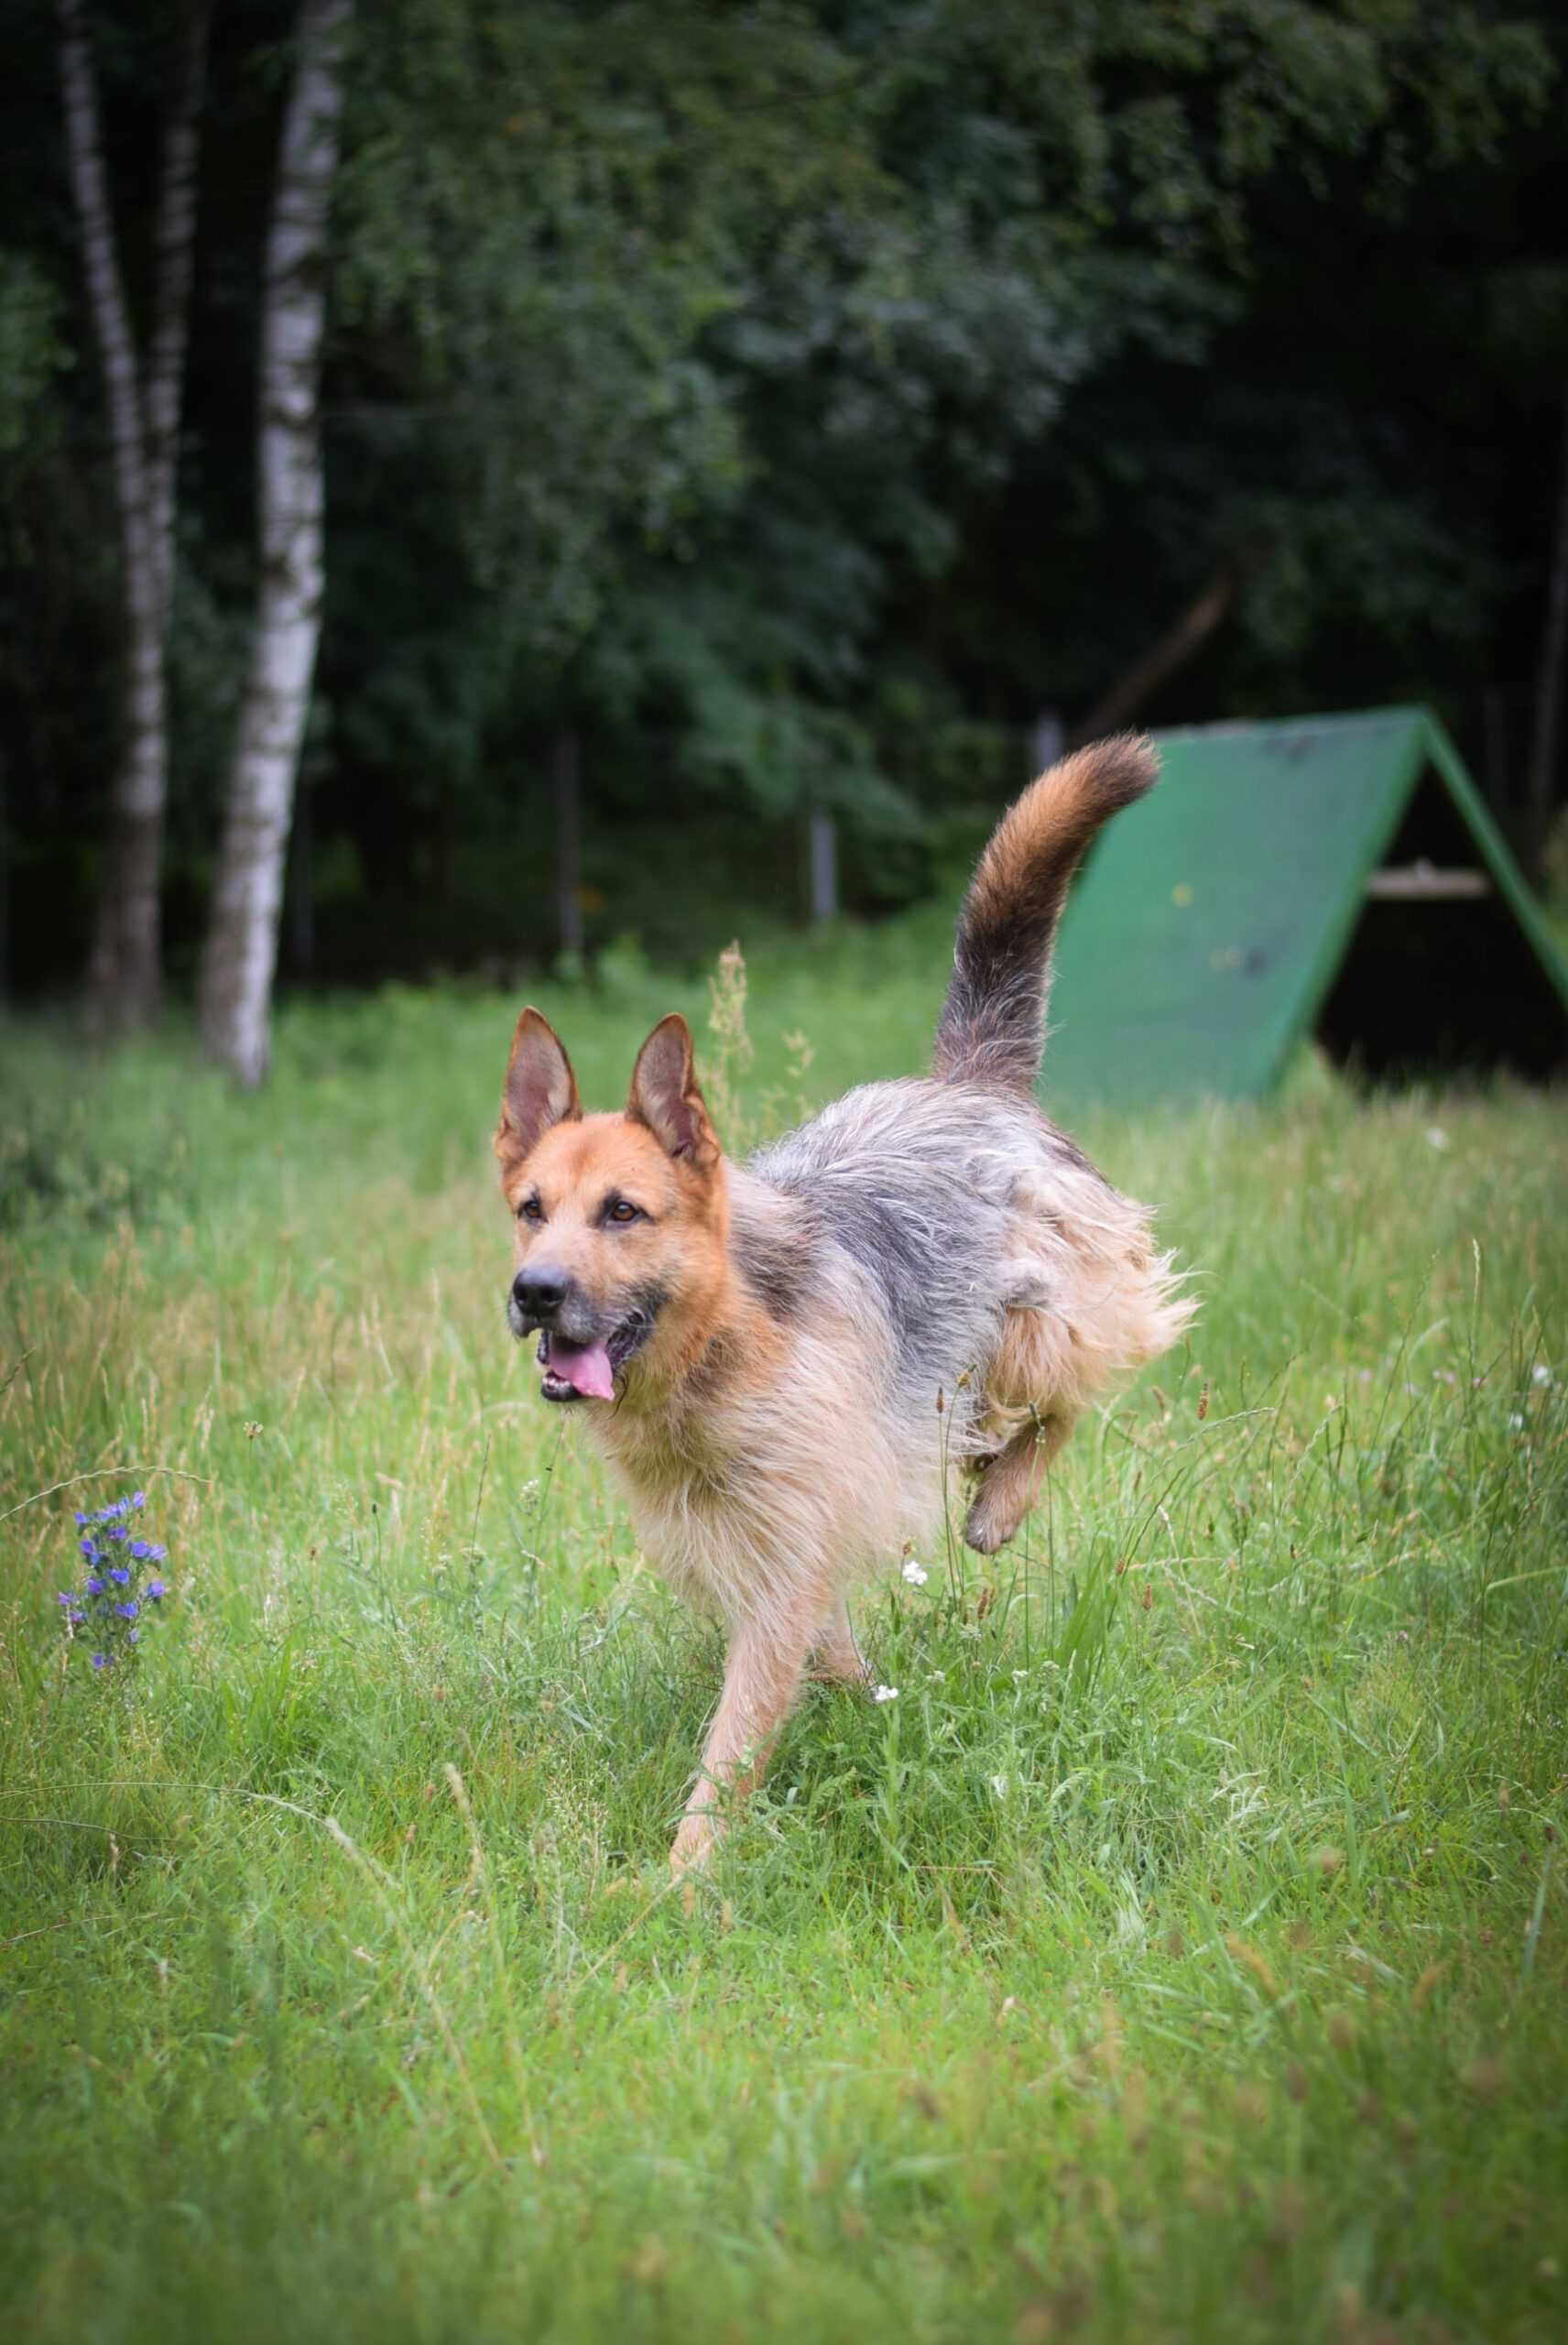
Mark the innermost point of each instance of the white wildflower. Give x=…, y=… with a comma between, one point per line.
x=886, y=1693
x=1436, y=1137
x=915, y=1574
x=1516, y=1422
x=1539, y=1375
x=999, y=1785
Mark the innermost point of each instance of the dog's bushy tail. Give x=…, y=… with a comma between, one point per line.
x=992, y=1029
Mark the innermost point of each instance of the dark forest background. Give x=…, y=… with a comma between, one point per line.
x=733, y=415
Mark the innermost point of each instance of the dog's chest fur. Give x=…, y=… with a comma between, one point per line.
x=878, y=1252
x=777, y=1473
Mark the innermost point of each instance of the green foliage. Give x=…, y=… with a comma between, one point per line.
x=31, y=351
x=550, y=203
x=1182, y=1952
x=724, y=384
x=852, y=275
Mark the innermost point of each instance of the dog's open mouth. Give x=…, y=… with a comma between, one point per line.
x=588, y=1372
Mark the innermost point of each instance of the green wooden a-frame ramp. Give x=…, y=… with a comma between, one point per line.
x=1335, y=876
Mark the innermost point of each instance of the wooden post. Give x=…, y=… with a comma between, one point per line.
x=821, y=848
x=1047, y=741
x=568, y=781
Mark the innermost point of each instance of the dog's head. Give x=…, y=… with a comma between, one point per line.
x=620, y=1220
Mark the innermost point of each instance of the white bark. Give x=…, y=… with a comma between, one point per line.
x=176, y=256
x=242, y=940
x=125, y=975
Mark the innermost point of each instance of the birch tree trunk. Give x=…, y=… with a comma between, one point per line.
x=125, y=972
x=240, y=951
x=171, y=294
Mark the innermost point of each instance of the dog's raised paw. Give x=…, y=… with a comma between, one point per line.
x=983, y=1531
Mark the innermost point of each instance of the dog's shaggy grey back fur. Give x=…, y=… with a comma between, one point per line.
x=915, y=1186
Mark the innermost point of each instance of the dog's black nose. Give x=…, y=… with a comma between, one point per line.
x=539, y=1291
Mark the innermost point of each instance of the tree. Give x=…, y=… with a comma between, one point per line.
x=930, y=390
x=125, y=975
x=785, y=403
x=241, y=953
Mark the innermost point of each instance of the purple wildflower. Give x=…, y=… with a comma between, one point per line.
x=115, y=1599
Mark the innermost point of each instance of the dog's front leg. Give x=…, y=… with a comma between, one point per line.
x=762, y=1675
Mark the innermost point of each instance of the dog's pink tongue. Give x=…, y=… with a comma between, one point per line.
x=585, y=1367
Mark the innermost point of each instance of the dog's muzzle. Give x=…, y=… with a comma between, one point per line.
x=581, y=1351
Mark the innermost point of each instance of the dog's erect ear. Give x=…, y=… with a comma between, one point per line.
x=668, y=1099
x=539, y=1090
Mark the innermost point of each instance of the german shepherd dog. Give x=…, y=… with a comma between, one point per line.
x=777, y=1357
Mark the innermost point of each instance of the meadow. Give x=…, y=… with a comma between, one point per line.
x=1180, y=1955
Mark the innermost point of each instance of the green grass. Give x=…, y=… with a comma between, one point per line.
x=1181, y=1955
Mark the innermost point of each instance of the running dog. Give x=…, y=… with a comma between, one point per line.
x=778, y=1357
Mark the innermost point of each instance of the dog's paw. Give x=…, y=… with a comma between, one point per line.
x=846, y=1669
x=986, y=1528
x=695, y=1843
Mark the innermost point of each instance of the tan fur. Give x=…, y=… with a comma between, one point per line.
x=572, y=1166
x=991, y=1028
x=758, y=1495
x=1115, y=1303
x=755, y=1500
x=1115, y=1306
x=1009, y=1484
x=775, y=1442
x=1040, y=837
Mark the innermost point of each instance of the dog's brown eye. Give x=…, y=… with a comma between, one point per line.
x=622, y=1210
x=530, y=1210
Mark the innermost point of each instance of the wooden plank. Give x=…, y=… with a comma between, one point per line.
x=1424, y=883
